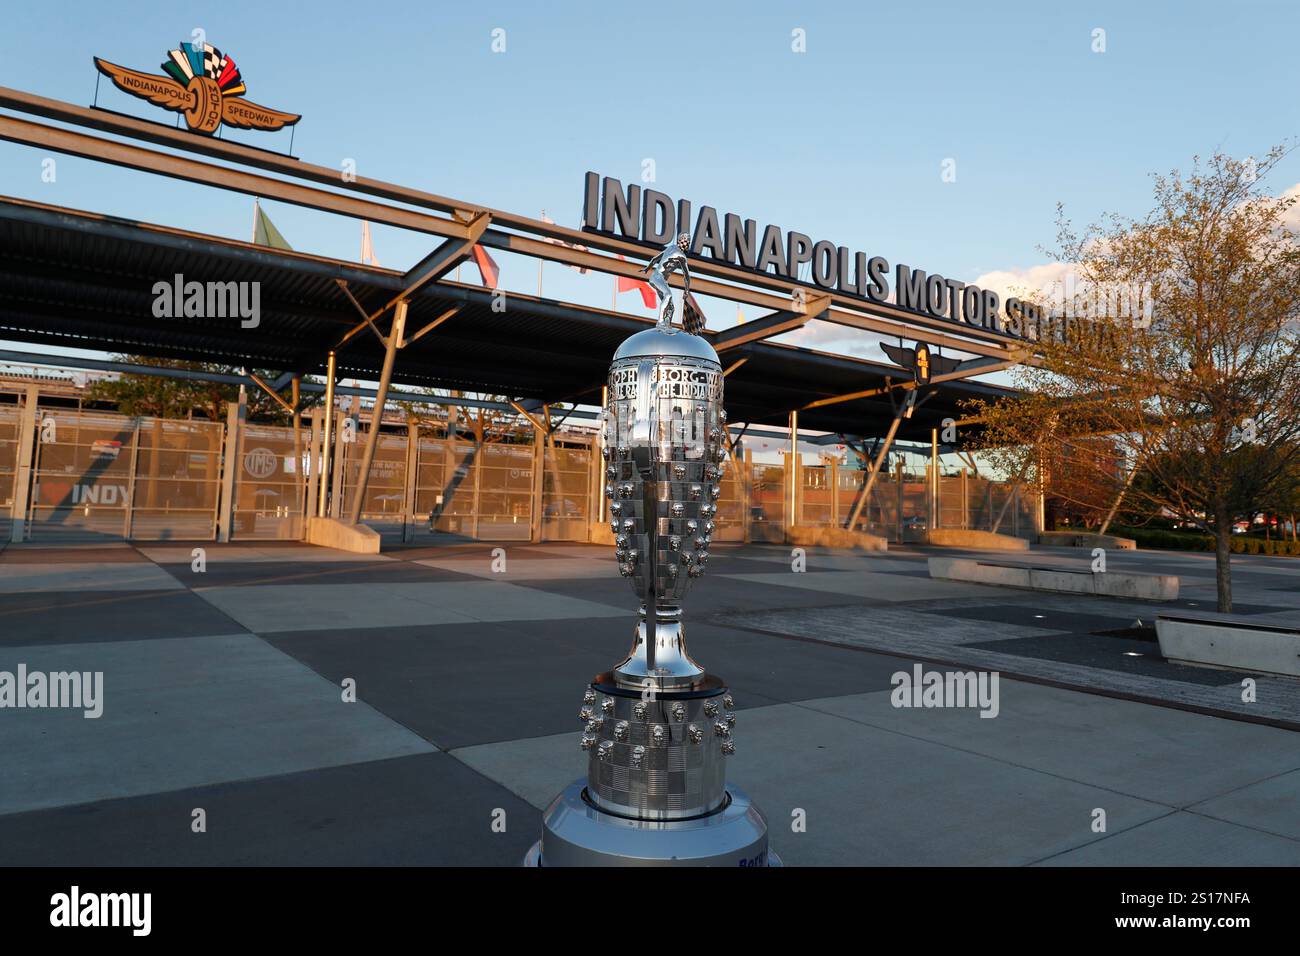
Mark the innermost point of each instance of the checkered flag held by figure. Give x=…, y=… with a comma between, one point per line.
x=693, y=320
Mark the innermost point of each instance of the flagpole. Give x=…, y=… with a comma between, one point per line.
x=242, y=391
x=254, y=239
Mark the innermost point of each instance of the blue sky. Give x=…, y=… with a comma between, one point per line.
x=843, y=142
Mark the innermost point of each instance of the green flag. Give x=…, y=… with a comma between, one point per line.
x=265, y=233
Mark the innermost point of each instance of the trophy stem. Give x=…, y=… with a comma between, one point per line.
x=658, y=659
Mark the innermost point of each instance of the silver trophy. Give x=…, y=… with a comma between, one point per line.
x=657, y=728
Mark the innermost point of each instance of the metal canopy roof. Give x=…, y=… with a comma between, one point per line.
x=85, y=280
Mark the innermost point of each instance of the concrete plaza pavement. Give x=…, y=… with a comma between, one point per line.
x=223, y=692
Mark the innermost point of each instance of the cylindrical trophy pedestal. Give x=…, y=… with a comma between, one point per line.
x=655, y=793
x=577, y=833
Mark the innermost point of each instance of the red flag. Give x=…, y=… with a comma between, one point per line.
x=627, y=284
x=487, y=267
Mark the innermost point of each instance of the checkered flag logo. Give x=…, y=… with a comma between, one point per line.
x=213, y=61
x=204, y=85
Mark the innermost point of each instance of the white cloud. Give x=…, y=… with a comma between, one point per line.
x=834, y=338
x=1292, y=218
x=1018, y=281
x=1049, y=276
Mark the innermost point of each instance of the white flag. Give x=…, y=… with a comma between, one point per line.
x=560, y=242
x=367, y=249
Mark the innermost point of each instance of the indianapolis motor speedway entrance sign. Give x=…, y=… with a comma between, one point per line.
x=652, y=217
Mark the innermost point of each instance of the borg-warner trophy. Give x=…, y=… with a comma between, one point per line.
x=657, y=728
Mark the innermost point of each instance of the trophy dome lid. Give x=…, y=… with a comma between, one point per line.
x=659, y=341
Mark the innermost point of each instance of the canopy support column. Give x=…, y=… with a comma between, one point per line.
x=903, y=411
x=377, y=415
x=23, y=471
x=327, y=427
x=792, y=475
x=1128, y=482
x=934, y=479
x=300, y=486
x=236, y=415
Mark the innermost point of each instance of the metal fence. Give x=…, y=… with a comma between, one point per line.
x=175, y=480
x=9, y=420
x=384, y=506
x=566, y=493
x=768, y=500
x=269, y=485
x=105, y=476
x=476, y=491
x=734, y=504
x=969, y=501
x=896, y=509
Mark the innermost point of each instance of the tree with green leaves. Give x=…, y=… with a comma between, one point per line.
x=1197, y=384
x=162, y=397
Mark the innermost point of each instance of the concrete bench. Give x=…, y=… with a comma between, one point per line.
x=820, y=536
x=1121, y=584
x=974, y=540
x=1220, y=641
x=333, y=533
x=1083, y=539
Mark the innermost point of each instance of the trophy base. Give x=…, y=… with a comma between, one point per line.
x=577, y=833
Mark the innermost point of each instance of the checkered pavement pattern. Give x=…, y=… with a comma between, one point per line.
x=323, y=708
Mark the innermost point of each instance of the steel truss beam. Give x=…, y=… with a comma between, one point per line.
x=965, y=370
x=846, y=310
x=900, y=413
x=72, y=143
x=775, y=323
x=130, y=368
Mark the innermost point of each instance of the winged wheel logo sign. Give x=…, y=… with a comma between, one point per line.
x=202, y=84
